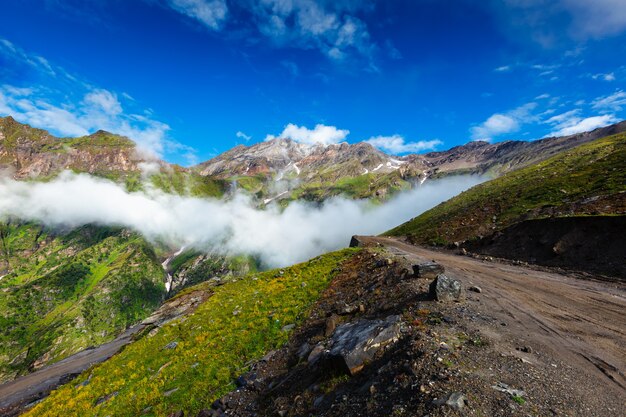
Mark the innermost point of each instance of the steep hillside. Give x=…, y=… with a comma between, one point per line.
x=32, y=153
x=190, y=362
x=61, y=292
x=587, y=180
x=27, y=153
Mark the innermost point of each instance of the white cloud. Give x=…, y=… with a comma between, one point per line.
x=563, y=117
x=496, y=124
x=320, y=135
x=37, y=62
x=503, y=123
x=212, y=13
x=613, y=102
x=542, y=97
x=330, y=27
x=105, y=101
x=99, y=109
x=311, y=24
x=597, y=18
x=68, y=106
x=504, y=68
x=243, y=136
x=396, y=145
x=571, y=123
x=606, y=77
x=277, y=236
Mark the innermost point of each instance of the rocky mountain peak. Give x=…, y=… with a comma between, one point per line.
x=29, y=152
x=279, y=154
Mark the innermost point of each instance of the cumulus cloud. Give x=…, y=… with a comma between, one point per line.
x=68, y=106
x=320, y=135
x=396, y=144
x=278, y=237
x=496, y=124
x=503, y=123
x=571, y=123
x=211, y=13
x=613, y=102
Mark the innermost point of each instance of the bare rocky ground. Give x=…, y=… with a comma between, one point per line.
x=519, y=342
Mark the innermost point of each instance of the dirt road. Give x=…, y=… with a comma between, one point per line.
x=579, y=323
x=15, y=394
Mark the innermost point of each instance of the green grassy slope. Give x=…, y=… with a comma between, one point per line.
x=240, y=322
x=587, y=180
x=192, y=267
x=64, y=292
x=373, y=186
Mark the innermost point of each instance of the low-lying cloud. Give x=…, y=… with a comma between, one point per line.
x=277, y=236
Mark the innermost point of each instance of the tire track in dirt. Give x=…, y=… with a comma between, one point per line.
x=578, y=322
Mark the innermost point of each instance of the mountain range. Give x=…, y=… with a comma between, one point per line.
x=64, y=290
x=276, y=169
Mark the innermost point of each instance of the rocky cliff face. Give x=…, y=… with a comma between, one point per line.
x=29, y=153
x=503, y=157
x=284, y=156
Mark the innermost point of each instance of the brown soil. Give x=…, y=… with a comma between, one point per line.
x=593, y=244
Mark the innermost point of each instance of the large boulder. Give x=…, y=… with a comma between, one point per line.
x=428, y=270
x=356, y=242
x=354, y=344
x=444, y=288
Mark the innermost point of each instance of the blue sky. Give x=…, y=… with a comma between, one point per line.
x=188, y=79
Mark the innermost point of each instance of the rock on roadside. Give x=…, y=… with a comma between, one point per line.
x=444, y=288
x=353, y=344
x=428, y=270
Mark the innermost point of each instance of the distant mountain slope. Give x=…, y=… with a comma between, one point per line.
x=34, y=152
x=316, y=172
x=587, y=180
x=275, y=169
x=306, y=161
x=502, y=157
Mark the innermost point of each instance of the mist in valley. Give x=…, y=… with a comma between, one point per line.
x=277, y=236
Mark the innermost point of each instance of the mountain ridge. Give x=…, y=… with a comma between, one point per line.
x=313, y=172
